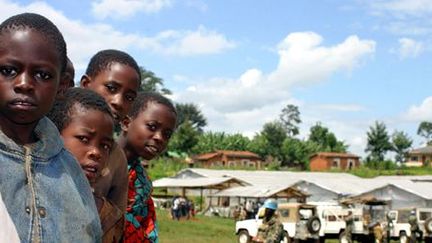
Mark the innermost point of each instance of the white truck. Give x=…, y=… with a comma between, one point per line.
x=300, y=222
x=399, y=227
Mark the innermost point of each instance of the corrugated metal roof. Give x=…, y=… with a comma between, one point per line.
x=194, y=182
x=251, y=191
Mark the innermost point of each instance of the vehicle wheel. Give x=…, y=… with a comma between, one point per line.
x=343, y=238
x=428, y=225
x=286, y=238
x=244, y=237
x=314, y=225
x=403, y=238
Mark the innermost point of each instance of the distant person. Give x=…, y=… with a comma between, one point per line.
x=86, y=125
x=271, y=230
x=45, y=192
x=176, y=208
x=349, y=222
x=145, y=134
x=414, y=227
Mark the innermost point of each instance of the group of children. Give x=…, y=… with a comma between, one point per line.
x=65, y=176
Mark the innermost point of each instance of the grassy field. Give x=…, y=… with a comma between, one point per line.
x=198, y=230
x=202, y=229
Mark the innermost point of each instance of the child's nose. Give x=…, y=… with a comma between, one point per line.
x=23, y=83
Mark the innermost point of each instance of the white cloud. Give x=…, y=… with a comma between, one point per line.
x=341, y=107
x=302, y=60
x=422, y=112
x=188, y=43
x=118, y=9
x=85, y=39
x=409, y=48
x=403, y=8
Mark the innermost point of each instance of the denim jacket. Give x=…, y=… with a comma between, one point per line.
x=47, y=195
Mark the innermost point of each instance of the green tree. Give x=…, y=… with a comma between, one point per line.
x=150, y=82
x=401, y=144
x=190, y=112
x=378, y=142
x=425, y=130
x=184, y=139
x=290, y=119
x=275, y=134
x=325, y=140
x=211, y=141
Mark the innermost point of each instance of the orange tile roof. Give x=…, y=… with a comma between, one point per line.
x=229, y=153
x=333, y=154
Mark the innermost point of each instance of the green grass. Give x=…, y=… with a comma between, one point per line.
x=198, y=230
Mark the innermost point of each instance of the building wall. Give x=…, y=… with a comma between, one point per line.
x=321, y=163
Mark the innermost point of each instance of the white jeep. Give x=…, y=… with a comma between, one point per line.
x=300, y=222
x=401, y=229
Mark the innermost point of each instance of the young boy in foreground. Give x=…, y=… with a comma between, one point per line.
x=86, y=125
x=42, y=185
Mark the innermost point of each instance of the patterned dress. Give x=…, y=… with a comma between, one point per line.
x=140, y=213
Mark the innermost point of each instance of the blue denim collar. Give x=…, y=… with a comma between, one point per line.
x=48, y=145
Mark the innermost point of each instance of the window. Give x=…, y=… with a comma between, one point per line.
x=335, y=163
x=251, y=164
x=284, y=213
x=414, y=158
x=425, y=215
x=231, y=163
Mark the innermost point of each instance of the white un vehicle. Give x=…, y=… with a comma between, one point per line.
x=300, y=222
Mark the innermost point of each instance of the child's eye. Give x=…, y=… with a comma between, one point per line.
x=130, y=98
x=106, y=147
x=43, y=75
x=83, y=139
x=8, y=71
x=151, y=126
x=167, y=135
x=111, y=88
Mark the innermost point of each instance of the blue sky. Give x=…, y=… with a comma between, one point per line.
x=344, y=63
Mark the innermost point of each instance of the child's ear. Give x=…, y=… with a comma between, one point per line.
x=85, y=81
x=124, y=123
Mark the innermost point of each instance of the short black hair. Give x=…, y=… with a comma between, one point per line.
x=103, y=60
x=42, y=25
x=144, y=98
x=61, y=111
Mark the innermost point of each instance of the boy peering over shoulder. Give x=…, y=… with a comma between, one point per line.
x=86, y=125
x=42, y=185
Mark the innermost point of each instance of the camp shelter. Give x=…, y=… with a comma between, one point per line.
x=196, y=186
x=403, y=194
x=237, y=195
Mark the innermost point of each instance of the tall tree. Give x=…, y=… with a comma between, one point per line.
x=150, y=82
x=184, y=139
x=290, y=119
x=378, y=142
x=425, y=130
x=326, y=140
x=401, y=144
x=275, y=134
x=190, y=112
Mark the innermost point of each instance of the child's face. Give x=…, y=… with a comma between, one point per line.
x=118, y=84
x=148, y=134
x=29, y=75
x=89, y=138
